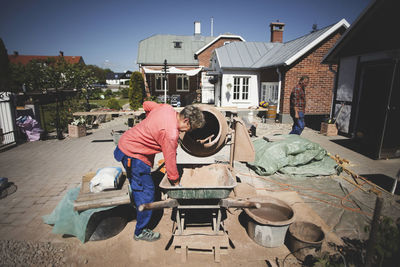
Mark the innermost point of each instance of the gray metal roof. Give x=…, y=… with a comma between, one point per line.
x=155, y=49
x=254, y=55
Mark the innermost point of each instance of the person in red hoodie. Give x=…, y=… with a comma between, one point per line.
x=158, y=132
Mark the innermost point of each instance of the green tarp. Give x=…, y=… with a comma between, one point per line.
x=68, y=221
x=294, y=156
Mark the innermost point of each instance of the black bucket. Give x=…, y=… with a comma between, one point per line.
x=304, y=239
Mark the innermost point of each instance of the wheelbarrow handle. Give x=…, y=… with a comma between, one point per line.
x=168, y=203
x=234, y=203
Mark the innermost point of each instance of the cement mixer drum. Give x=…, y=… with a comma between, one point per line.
x=208, y=140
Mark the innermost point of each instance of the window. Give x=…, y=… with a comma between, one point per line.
x=182, y=82
x=269, y=92
x=241, y=88
x=160, y=82
x=227, y=42
x=177, y=44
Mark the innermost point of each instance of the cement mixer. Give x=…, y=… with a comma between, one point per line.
x=215, y=134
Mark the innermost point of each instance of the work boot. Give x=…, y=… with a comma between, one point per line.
x=147, y=235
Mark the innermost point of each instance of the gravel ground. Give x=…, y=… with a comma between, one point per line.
x=27, y=253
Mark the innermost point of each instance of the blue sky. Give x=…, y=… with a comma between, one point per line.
x=107, y=33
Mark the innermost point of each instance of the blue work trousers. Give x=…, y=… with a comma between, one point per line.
x=142, y=187
x=298, y=124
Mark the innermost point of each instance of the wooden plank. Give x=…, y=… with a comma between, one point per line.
x=89, y=200
x=105, y=194
x=98, y=203
x=202, y=240
x=97, y=113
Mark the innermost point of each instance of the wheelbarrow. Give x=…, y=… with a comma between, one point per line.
x=199, y=203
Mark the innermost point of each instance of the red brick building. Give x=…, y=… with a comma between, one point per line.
x=16, y=58
x=269, y=71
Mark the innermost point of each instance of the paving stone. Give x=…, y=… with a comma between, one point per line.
x=9, y=218
x=42, y=200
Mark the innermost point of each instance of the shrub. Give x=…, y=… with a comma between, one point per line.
x=124, y=92
x=108, y=93
x=136, y=88
x=113, y=104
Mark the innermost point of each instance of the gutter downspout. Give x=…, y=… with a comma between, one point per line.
x=333, y=91
x=279, y=90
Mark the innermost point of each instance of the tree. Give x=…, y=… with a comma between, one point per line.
x=99, y=73
x=39, y=75
x=136, y=88
x=17, y=77
x=4, y=68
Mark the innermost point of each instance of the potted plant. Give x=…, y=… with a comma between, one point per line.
x=77, y=128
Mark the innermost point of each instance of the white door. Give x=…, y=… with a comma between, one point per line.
x=269, y=92
x=207, y=90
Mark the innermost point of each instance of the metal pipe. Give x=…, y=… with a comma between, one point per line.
x=334, y=84
x=279, y=90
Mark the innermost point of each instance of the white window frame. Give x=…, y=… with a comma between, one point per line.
x=160, y=76
x=241, y=88
x=269, y=92
x=183, y=77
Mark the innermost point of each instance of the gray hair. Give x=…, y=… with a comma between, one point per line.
x=304, y=77
x=195, y=116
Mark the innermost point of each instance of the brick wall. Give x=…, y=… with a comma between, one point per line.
x=319, y=90
x=205, y=56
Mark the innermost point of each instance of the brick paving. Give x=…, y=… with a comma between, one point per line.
x=43, y=171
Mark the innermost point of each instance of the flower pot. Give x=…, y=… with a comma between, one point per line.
x=76, y=130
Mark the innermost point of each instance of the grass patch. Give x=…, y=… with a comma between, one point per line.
x=103, y=102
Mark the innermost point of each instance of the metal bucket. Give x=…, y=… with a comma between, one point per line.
x=268, y=224
x=304, y=239
x=209, y=139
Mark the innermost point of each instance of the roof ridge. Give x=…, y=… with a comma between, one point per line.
x=274, y=45
x=308, y=34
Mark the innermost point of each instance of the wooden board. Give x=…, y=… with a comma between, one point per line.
x=201, y=241
x=88, y=200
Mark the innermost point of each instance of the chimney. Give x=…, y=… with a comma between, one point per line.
x=16, y=53
x=277, y=31
x=197, y=28
x=61, y=53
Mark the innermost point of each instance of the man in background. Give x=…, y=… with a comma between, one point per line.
x=298, y=105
